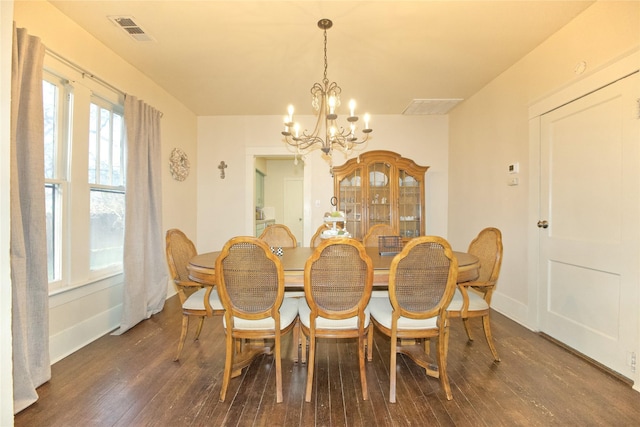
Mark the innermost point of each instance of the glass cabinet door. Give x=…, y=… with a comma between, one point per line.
x=409, y=205
x=351, y=202
x=379, y=195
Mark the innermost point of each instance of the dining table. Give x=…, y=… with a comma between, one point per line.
x=202, y=267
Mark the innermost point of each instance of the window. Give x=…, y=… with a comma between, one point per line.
x=56, y=99
x=106, y=183
x=84, y=168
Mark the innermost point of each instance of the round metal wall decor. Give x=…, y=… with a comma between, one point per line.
x=179, y=164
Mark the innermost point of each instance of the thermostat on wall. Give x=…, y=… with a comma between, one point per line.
x=514, y=167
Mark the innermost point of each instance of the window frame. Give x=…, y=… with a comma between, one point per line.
x=59, y=180
x=72, y=159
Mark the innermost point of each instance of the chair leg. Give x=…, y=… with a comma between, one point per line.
x=392, y=367
x=296, y=341
x=467, y=327
x=278, y=368
x=443, y=348
x=363, y=377
x=199, y=328
x=303, y=347
x=310, y=366
x=228, y=365
x=370, y=343
x=183, y=335
x=486, y=325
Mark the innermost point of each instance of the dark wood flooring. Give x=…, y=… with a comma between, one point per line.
x=131, y=380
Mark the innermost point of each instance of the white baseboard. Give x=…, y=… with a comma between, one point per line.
x=74, y=338
x=513, y=309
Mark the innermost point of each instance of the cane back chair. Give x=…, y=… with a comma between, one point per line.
x=279, y=235
x=195, y=299
x=422, y=280
x=370, y=239
x=338, y=279
x=250, y=281
x=473, y=299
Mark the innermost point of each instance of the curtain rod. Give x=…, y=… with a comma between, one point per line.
x=83, y=71
x=86, y=73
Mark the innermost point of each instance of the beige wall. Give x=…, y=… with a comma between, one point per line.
x=225, y=206
x=491, y=130
x=89, y=311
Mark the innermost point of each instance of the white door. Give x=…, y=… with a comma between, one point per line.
x=589, y=260
x=293, y=207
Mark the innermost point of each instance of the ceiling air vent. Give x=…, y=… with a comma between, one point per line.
x=128, y=25
x=430, y=106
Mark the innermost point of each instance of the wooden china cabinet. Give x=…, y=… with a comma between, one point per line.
x=381, y=187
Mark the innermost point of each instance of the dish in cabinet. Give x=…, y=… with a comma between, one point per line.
x=378, y=179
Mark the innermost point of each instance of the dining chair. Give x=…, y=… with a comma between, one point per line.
x=250, y=281
x=338, y=278
x=279, y=235
x=473, y=299
x=196, y=299
x=316, y=239
x=422, y=280
x=370, y=239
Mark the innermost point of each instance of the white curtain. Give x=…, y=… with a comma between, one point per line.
x=145, y=273
x=28, y=253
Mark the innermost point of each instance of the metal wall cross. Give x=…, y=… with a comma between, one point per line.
x=222, y=166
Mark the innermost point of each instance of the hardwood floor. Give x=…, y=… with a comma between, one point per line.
x=131, y=380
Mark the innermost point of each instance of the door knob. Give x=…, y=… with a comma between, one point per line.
x=543, y=224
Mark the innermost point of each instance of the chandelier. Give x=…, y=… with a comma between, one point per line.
x=325, y=99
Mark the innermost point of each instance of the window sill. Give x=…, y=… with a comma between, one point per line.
x=94, y=284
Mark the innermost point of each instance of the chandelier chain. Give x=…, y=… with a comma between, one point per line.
x=325, y=80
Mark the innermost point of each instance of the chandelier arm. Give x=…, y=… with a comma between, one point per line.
x=303, y=143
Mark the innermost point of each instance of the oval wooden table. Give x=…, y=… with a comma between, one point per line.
x=202, y=267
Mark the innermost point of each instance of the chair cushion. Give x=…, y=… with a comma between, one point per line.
x=379, y=294
x=323, y=323
x=196, y=300
x=293, y=294
x=476, y=302
x=288, y=314
x=381, y=310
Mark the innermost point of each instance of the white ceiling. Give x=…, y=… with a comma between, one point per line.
x=255, y=57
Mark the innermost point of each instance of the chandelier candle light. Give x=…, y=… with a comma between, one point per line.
x=325, y=100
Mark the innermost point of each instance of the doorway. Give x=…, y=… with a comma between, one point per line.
x=284, y=192
x=589, y=235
